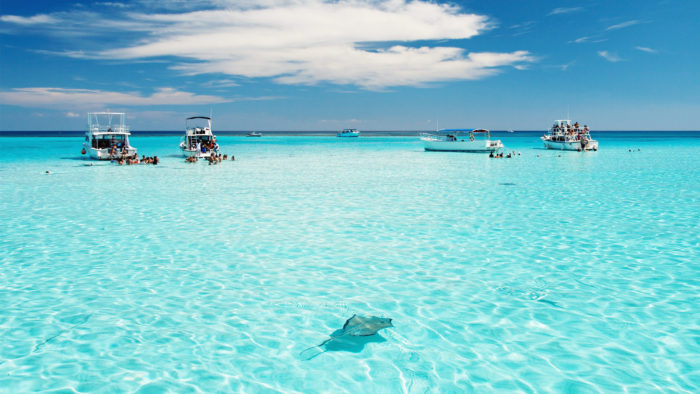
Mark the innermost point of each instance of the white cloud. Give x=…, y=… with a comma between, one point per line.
x=81, y=23
x=72, y=115
x=31, y=20
x=566, y=66
x=562, y=67
x=84, y=98
x=179, y=5
x=523, y=28
x=310, y=41
x=623, y=25
x=563, y=10
x=221, y=83
x=598, y=37
x=646, y=49
x=112, y=4
x=611, y=57
x=588, y=39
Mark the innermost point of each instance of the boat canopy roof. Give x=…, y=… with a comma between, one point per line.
x=113, y=132
x=464, y=130
x=199, y=117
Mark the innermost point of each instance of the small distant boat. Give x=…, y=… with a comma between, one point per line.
x=511, y=131
x=565, y=136
x=107, y=137
x=254, y=134
x=348, y=133
x=198, y=141
x=461, y=140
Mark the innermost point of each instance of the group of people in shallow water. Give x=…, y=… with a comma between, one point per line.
x=500, y=155
x=214, y=158
x=118, y=149
x=135, y=160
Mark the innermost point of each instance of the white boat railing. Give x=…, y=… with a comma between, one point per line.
x=107, y=122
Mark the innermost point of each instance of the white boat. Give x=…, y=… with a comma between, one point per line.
x=198, y=140
x=565, y=136
x=107, y=137
x=254, y=134
x=348, y=133
x=461, y=140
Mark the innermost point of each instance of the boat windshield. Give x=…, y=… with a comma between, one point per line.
x=200, y=130
x=106, y=141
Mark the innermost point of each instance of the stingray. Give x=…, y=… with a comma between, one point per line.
x=356, y=332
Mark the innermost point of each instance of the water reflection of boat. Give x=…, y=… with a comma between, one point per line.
x=565, y=136
x=107, y=137
x=461, y=140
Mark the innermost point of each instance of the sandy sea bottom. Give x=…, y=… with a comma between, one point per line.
x=570, y=272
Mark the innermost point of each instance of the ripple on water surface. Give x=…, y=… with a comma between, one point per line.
x=571, y=273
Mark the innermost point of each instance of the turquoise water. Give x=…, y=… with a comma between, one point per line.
x=550, y=271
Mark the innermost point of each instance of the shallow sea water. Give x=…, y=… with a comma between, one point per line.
x=550, y=271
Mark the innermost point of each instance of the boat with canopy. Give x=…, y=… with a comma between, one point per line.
x=565, y=136
x=461, y=140
x=348, y=133
x=107, y=137
x=199, y=141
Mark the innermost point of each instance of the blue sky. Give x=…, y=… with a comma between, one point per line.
x=371, y=65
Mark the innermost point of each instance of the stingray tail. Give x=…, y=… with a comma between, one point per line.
x=311, y=352
x=314, y=351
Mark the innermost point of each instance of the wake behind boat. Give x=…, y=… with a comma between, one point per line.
x=198, y=141
x=565, y=136
x=107, y=137
x=461, y=140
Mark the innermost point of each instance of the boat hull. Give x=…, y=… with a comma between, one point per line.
x=105, y=154
x=348, y=135
x=571, y=145
x=463, y=146
x=197, y=153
